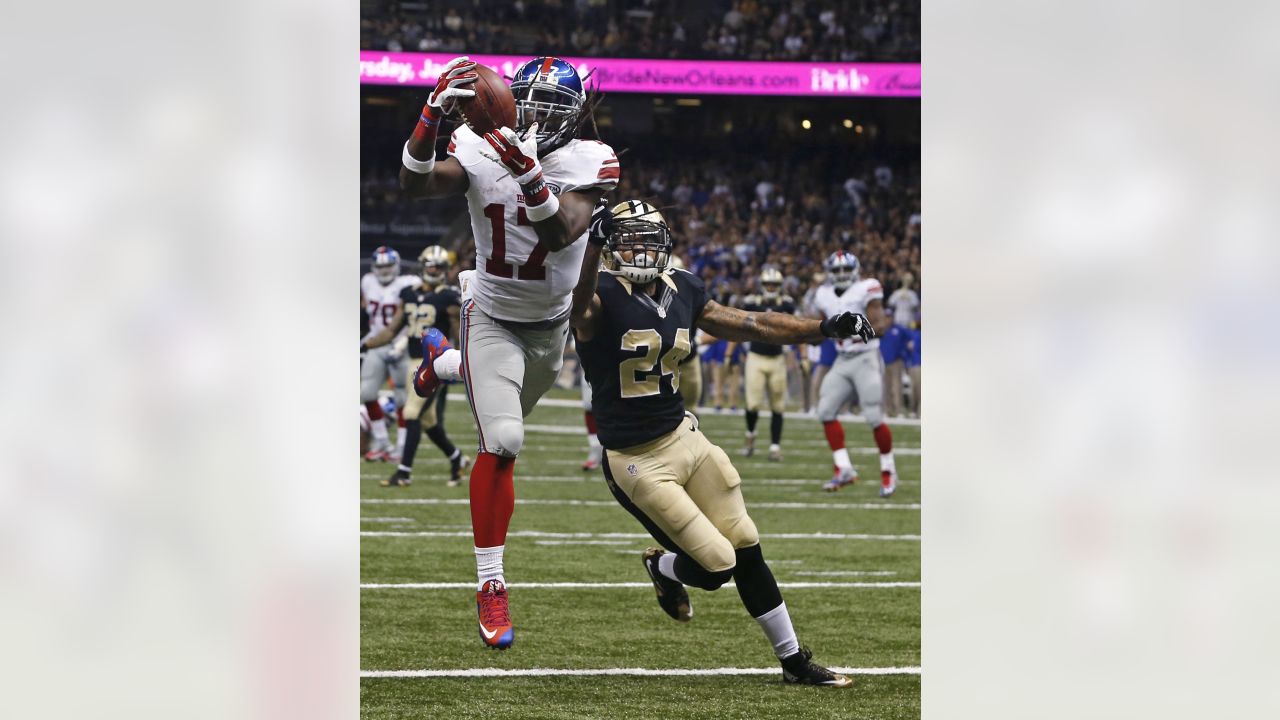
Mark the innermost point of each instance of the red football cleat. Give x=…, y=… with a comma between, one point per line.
x=495, y=619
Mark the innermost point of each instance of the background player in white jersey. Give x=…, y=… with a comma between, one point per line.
x=857, y=369
x=531, y=195
x=380, y=295
x=432, y=304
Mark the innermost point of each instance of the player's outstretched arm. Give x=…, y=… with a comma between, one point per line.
x=779, y=328
x=420, y=175
x=585, y=315
x=386, y=334
x=878, y=318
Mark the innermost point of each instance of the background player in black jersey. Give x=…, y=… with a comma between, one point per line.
x=432, y=304
x=766, y=368
x=633, y=321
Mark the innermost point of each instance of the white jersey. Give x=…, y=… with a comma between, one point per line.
x=905, y=302
x=516, y=277
x=855, y=300
x=381, y=300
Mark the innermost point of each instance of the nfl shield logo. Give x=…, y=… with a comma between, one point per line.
x=631, y=469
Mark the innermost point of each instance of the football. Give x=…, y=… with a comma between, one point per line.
x=493, y=105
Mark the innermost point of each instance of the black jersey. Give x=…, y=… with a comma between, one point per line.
x=633, y=361
x=425, y=308
x=759, y=303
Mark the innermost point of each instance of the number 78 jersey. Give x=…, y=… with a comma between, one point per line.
x=516, y=277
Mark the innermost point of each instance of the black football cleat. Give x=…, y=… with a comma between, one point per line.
x=800, y=669
x=456, y=466
x=672, y=596
x=399, y=478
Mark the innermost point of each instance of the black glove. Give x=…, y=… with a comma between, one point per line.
x=601, y=224
x=846, y=325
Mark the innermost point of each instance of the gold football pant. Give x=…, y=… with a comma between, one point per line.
x=766, y=374
x=686, y=493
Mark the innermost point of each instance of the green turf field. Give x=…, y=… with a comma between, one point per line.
x=572, y=531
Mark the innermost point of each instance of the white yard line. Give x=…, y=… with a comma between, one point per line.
x=841, y=573
x=633, y=672
x=708, y=412
x=387, y=520
x=631, y=536
x=584, y=542
x=567, y=502
x=618, y=585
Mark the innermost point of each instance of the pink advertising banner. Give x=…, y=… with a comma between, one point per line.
x=683, y=77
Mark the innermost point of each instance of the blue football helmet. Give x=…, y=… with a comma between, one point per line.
x=548, y=91
x=386, y=264
x=842, y=268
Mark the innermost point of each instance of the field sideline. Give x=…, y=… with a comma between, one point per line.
x=591, y=641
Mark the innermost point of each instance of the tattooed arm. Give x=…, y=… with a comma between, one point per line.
x=779, y=328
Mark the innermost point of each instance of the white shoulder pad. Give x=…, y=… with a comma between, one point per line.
x=581, y=165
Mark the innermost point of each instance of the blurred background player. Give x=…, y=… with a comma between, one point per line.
x=913, y=369
x=380, y=290
x=530, y=196
x=713, y=357
x=433, y=304
x=904, y=308
x=633, y=321
x=765, y=368
x=857, y=369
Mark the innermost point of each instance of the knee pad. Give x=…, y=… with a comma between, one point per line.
x=505, y=437
x=874, y=415
x=743, y=534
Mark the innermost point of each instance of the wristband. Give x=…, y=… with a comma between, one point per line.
x=537, y=213
x=421, y=167
x=536, y=191
x=364, y=347
x=827, y=328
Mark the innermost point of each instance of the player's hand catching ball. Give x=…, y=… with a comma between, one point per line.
x=451, y=86
x=601, y=224
x=519, y=155
x=846, y=325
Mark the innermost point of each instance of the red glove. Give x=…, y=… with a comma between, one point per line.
x=450, y=88
x=520, y=157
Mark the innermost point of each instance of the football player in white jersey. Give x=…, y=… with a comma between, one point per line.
x=857, y=368
x=380, y=295
x=531, y=192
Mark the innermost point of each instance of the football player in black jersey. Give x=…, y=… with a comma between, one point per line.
x=432, y=304
x=633, y=320
x=766, y=368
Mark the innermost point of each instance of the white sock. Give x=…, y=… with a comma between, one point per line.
x=751, y=434
x=379, y=429
x=775, y=447
x=886, y=463
x=489, y=565
x=667, y=566
x=405, y=468
x=446, y=366
x=593, y=441
x=400, y=438
x=777, y=627
x=841, y=458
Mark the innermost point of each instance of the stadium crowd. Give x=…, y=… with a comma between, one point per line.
x=828, y=31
